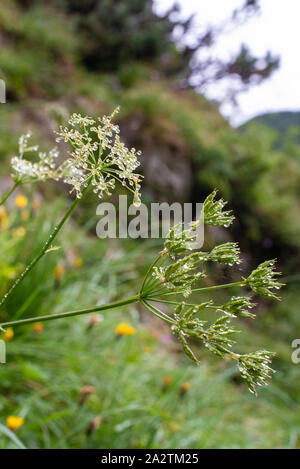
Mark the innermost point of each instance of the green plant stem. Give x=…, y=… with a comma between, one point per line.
x=176, y=303
x=43, y=250
x=242, y=283
x=16, y=184
x=151, y=284
x=93, y=309
x=149, y=270
x=157, y=312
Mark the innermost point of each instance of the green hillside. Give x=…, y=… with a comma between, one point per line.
x=285, y=123
x=280, y=121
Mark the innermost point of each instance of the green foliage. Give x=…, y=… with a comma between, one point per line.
x=40, y=45
x=282, y=122
x=47, y=378
x=112, y=34
x=131, y=31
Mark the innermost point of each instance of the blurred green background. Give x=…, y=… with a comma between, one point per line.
x=74, y=382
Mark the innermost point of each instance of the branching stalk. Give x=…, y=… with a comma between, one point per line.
x=214, y=287
x=158, y=312
x=93, y=309
x=16, y=184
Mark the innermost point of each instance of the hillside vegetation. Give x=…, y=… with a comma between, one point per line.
x=282, y=122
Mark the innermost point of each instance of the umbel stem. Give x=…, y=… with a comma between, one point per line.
x=43, y=250
x=93, y=309
x=16, y=184
x=242, y=283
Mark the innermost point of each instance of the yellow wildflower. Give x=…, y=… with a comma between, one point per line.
x=38, y=327
x=9, y=334
x=174, y=426
x=3, y=218
x=21, y=201
x=19, y=232
x=78, y=262
x=185, y=388
x=59, y=271
x=167, y=381
x=125, y=329
x=14, y=423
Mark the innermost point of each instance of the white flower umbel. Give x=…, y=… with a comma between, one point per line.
x=99, y=155
x=40, y=169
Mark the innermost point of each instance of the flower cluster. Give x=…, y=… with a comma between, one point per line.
x=263, y=278
x=182, y=273
x=217, y=338
x=237, y=307
x=175, y=272
x=213, y=212
x=255, y=369
x=227, y=253
x=44, y=168
x=99, y=156
x=178, y=241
